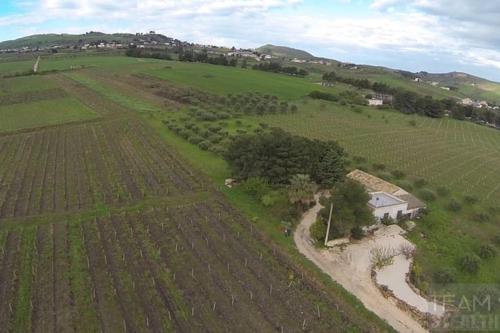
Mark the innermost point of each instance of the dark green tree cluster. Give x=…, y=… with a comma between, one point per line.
x=277, y=156
x=148, y=53
x=410, y=102
x=203, y=57
x=315, y=94
x=276, y=67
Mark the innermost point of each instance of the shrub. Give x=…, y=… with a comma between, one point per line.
x=454, y=205
x=487, y=251
x=195, y=140
x=445, y=275
x=405, y=185
x=387, y=220
x=470, y=199
x=482, y=217
x=204, y=145
x=206, y=116
x=318, y=231
x=443, y=191
x=412, y=123
x=407, y=249
x=359, y=159
x=470, y=263
x=357, y=233
x=256, y=187
x=384, y=175
x=398, y=174
x=378, y=166
x=215, y=138
x=270, y=198
x=215, y=129
x=420, y=183
x=427, y=195
x=382, y=256
x=323, y=95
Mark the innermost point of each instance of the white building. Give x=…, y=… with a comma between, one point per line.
x=375, y=102
x=385, y=205
x=387, y=200
x=467, y=101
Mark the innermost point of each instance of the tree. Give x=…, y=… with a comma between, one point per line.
x=470, y=263
x=277, y=156
x=350, y=208
x=330, y=168
x=301, y=189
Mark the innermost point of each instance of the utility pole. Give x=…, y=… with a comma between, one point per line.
x=329, y=223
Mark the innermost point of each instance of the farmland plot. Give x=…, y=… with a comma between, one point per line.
x=70, y=168
x=193, y=268
x=445, y=152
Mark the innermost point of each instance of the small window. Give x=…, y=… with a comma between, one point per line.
x=386, y=216
x=400, y=214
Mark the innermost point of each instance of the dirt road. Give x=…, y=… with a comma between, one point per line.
x=355, y=279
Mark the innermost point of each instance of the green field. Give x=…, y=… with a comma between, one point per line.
x=25, y=84
x=459, y=156
x=43, y=113
x=225, y=80
x=118, y=167
x=110, y=222
x=68, y=62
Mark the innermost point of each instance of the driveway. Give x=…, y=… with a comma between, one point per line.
x=353, y=275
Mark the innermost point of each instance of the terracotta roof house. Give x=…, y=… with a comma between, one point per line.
x=387, y=199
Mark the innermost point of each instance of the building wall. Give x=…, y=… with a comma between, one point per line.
x=391, y=210
x=375, y=102
x=413, y=212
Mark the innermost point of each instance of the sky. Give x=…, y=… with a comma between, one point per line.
x=414, y=35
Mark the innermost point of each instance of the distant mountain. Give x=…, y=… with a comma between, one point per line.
x=284, y=52
x=452, y=78
x=50, y=40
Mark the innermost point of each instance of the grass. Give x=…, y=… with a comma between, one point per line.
x=66, y=62
x=43, y=113
x=228, y=80
x=460, y=156
x=456, y=154
x=127, y=101
x=218, y=170
x=25, y=84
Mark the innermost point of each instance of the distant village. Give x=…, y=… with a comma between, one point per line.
x=152, y=40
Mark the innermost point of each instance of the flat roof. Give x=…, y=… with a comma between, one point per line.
x=382, y=199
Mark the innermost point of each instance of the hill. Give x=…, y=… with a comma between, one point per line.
x=284, y=52
x=50, y=40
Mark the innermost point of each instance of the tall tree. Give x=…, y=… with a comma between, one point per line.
x=350, y=208
x=277, y=156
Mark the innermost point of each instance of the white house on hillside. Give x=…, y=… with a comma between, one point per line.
x=375, y=102
x=387, y=200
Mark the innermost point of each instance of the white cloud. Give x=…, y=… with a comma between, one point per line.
x=425, y=28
